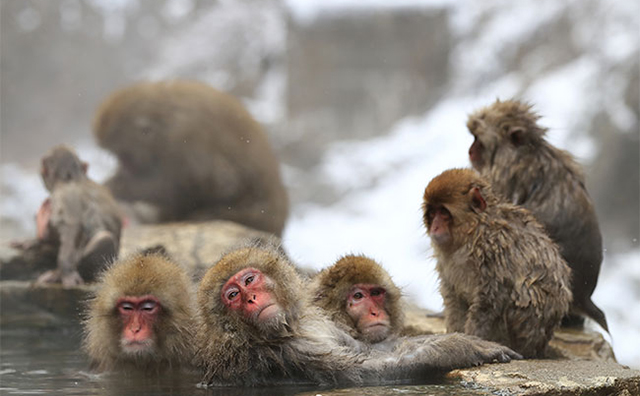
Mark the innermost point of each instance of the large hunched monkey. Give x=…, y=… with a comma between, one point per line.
x=191, y=152
x=257, y=326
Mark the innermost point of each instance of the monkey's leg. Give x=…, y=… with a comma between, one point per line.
x=101, y=250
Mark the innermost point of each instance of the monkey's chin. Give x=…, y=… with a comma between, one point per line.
x=376, y=332
x=138, y=348
x=269, y=312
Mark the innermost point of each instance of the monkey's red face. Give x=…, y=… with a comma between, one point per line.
x=366, y=306
x=475, y=153
x=249, y=294
x=438, y=220
x=138, y=314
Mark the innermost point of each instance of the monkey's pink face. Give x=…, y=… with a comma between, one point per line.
x=366, y=306
x=138, y=315
x=248, y=294
x=438, y=220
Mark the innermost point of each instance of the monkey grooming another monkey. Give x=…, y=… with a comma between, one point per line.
x=511, y=152
x=190, y=152
x=501, y=277
x=360, y=297
x=141, y=318
x=80, y=220
x=257, y=326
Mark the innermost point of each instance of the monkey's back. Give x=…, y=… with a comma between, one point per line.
x=89, y=204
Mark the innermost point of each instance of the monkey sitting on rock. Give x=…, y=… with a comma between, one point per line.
x=511, y=152
x=80, y=220
x=188, y=152
x=501, y=277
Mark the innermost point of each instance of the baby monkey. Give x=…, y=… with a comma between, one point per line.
x=359, y=296
x=80, y=219
x=501, y=277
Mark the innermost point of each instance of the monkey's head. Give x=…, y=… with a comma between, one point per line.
x=61, y=165
x=452, y=204
x=360, y=295
x=252, y=291
x=134, y=123
x=142, y=313
x=502, y=129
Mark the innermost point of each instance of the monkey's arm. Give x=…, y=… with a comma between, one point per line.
x=414, y=357
x=455, y=309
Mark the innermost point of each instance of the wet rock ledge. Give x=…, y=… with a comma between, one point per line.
x=584, y=363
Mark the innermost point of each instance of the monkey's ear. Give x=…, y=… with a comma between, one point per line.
x=477, y=200
x=516, y=135
x=85, y=166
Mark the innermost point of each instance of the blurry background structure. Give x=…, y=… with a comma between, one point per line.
x=364, y=101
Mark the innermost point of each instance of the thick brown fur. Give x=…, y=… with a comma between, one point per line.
x=193, y=153
x=79, y=210
x=306, y=346
x=523, y=167
x=501, y=277
x=142, y=275
x=331, y=286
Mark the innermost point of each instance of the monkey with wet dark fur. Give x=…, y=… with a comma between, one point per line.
x=360, y=297
x=511, y=152
x=501, y=277
x=80, y=220
x=191, y=152
x=257, y=326
x=141, y=318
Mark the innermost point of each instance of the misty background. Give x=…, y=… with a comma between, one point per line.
x=364, y=102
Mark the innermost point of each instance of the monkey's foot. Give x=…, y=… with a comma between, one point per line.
x=100, y=250
x=55, y=276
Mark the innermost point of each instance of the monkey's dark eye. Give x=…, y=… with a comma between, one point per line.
x=232, y=295
x=249, y=280
x=376, y=292
x=357, y=295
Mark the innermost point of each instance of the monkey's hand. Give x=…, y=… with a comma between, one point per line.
x=24, y=245
x=56, y=276
x=490, y=352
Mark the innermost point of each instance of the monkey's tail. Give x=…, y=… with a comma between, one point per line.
x=596, y=314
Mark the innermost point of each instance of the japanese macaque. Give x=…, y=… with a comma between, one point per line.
x=189, y=152
x=141, y=318
x=257, y=326
x=360, y=297
x=501, y=277
x=511, y=152
x=80, y=219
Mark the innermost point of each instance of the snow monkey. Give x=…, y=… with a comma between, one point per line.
x=190, y=152
x=511, y=152
x=501, y=277
x=257, y=326
x=80, y=219
x=141, y=319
